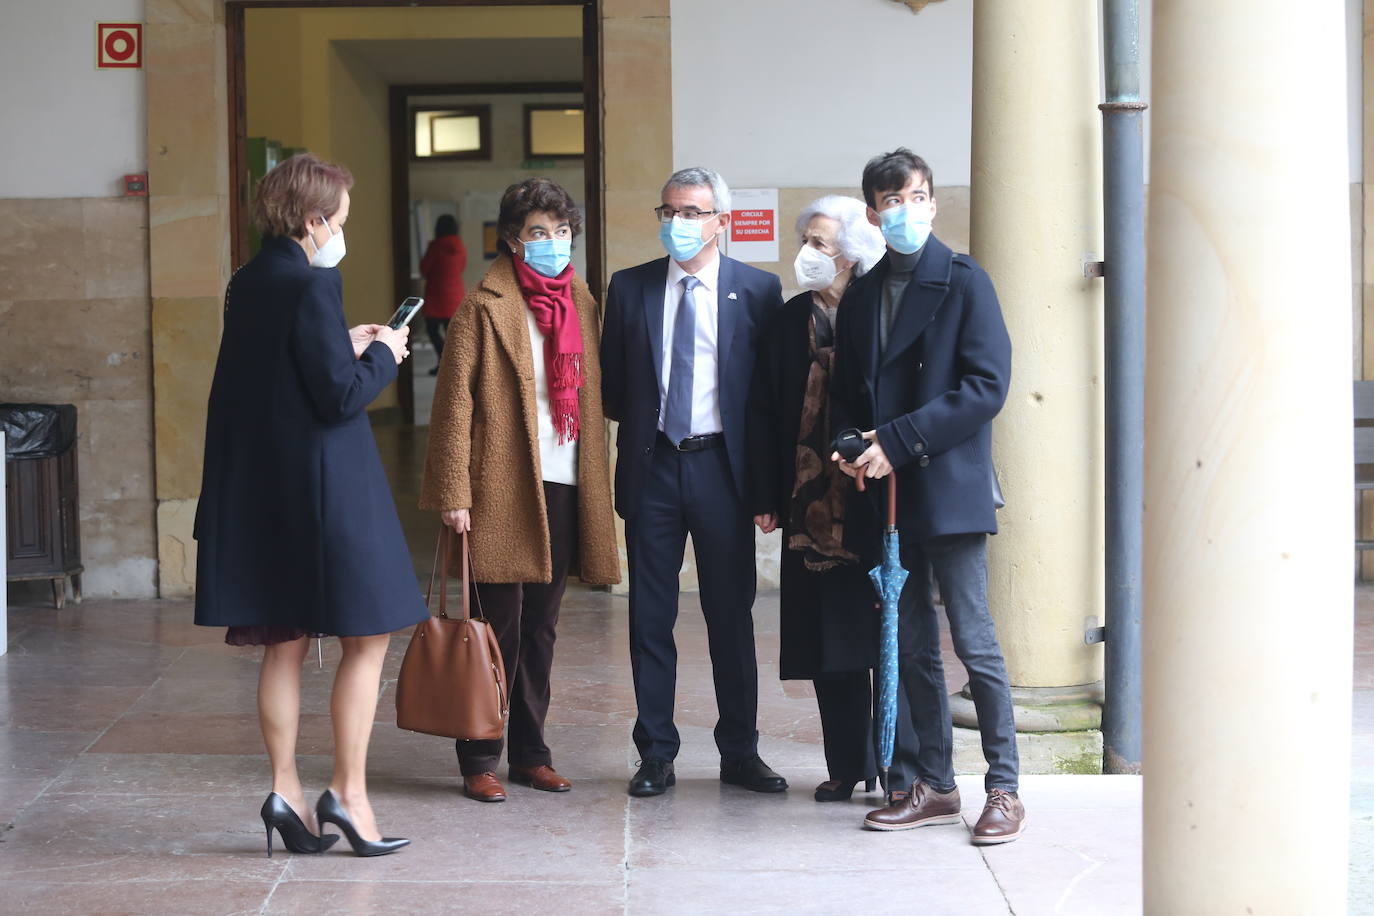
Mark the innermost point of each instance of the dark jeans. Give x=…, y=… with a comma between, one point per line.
x=524, y=616
x=692, y=493
x=959, y=563
x=437, y=329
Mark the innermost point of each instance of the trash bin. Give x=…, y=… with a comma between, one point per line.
x=42, y=523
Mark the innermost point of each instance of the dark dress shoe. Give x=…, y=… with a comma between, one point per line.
x=544, y=778
x=653, y=778
x=279, y=816
x=753, y=774
x=484, y=787
x=833, y=790
x=329, y=811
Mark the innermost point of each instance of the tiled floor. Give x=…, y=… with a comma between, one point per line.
x=131, y=773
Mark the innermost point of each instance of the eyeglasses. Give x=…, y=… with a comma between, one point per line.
x=665, y=214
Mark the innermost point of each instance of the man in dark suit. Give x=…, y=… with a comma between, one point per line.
x=677, y=356
x=922, y=365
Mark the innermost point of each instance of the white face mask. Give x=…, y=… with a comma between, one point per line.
x=815, y=269
x=333, y=250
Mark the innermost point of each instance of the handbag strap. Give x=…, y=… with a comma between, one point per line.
x=440, y=567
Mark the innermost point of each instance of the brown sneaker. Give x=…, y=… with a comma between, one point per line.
x=543, y=778
x=923, y=807
x=484, y=787
x=1004, y=817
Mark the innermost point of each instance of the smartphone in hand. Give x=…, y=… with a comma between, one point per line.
x=407, y=310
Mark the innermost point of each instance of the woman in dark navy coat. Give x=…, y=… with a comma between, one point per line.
x=298, y=533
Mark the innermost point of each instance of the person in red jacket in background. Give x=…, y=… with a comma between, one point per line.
x=442, y=267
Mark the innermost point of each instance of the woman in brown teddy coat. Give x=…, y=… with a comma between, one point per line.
x=518, y=457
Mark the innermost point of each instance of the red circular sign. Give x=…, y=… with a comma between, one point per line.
x=120, y=45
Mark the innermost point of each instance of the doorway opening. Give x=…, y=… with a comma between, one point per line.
x=350, y=81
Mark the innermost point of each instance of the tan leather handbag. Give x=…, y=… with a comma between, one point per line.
x=452, y=681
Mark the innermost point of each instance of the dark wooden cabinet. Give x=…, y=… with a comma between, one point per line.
x=42, y=530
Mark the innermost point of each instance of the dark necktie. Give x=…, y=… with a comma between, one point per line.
x=677, y=414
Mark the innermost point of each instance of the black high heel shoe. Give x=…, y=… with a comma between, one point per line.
x=329, y=811
x=833, y=790
x=278, y=815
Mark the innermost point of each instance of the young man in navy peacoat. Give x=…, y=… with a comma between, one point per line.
x=922, y=365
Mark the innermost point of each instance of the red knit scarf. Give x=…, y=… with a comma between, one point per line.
x=550, y=301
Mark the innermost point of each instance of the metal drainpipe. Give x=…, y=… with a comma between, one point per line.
x=1124, y=270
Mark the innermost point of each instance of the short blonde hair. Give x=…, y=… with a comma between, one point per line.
x=297, y=189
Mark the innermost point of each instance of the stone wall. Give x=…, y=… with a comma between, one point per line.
x=74, y=310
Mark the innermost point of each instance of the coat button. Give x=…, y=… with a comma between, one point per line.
x=925, y=461
x=648, y=449
x=920, y=365
x=919, y=448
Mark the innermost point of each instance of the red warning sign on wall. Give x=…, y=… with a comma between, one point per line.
x=119, y=45
x=751, y=226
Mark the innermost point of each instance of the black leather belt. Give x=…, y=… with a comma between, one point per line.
x=694, y=443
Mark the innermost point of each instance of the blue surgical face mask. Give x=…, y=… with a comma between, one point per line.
x=905, y=227
x=682, y=239
x=548, y=257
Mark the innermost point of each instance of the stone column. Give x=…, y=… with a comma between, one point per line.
x=1248, y=478
x=1036, y=217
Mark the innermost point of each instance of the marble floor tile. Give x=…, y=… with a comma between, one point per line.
x=33, y=754
x=232, y=733
x=890, y=891
x=445, y=897
x=51, y=706
x=1071, y=862
x=136, y=898
x=171, y=775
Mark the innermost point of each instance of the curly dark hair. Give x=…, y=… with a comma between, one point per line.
x=530, y=196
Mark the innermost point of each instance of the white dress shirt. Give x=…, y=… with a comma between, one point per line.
x=705, y=368
x=558, y=463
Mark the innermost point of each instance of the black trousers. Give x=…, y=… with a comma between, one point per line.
x=524, y=616
x=692, y=493
x=438, y=333
x=849, y=730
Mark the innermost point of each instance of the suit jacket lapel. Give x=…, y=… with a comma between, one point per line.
x=652, y=293
x=727, y=316
x=922, y=298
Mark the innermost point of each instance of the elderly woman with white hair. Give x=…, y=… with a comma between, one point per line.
x=828, y=613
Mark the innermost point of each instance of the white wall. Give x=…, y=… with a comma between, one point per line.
x=776, y=93
x=69, y=130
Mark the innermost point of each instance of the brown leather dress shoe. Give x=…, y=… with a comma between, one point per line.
x=484, y=787
x=1003, y=820
x=923, y=807
x=543, y=778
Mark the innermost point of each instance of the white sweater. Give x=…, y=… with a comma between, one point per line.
x=558, y=462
